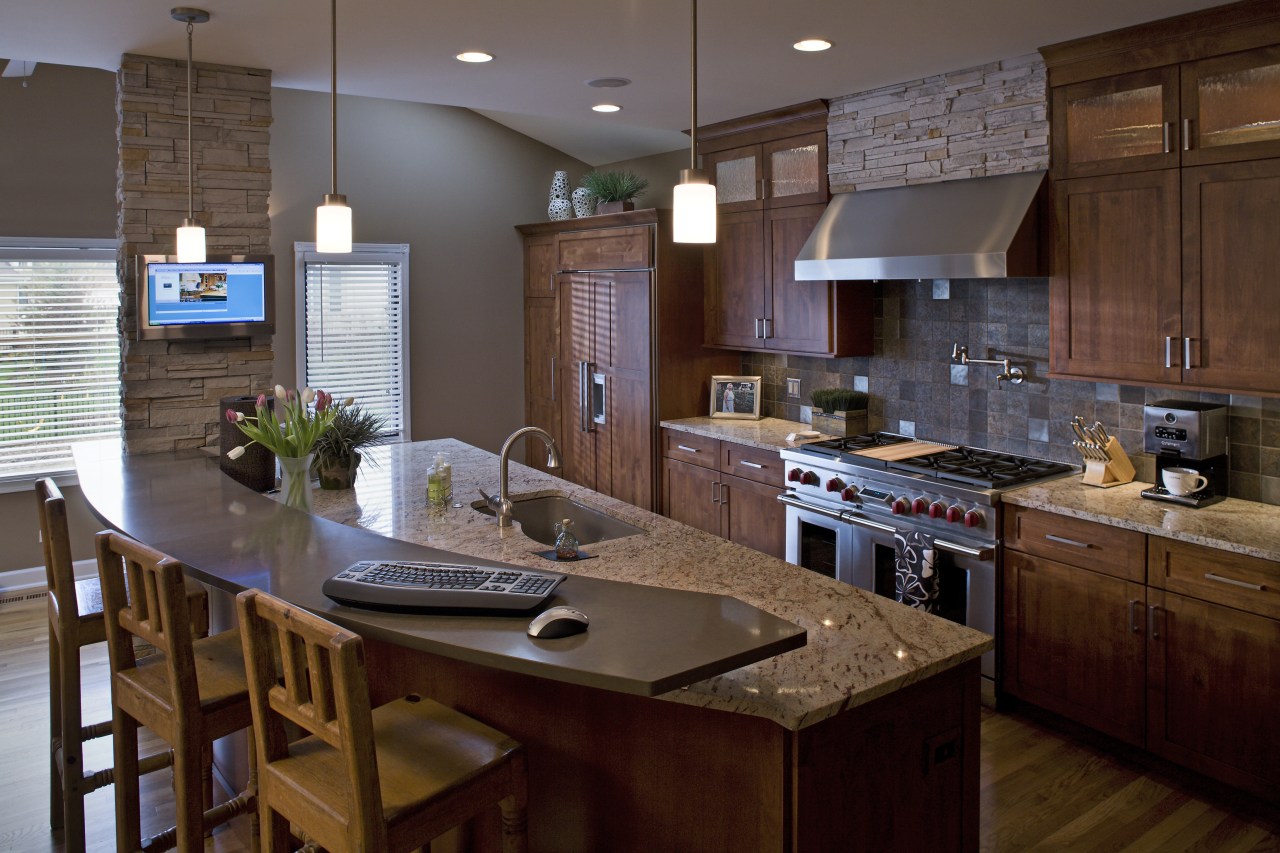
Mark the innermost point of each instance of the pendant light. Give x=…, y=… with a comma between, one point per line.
x=694, y=198
x=190, y=236
x=333, y=217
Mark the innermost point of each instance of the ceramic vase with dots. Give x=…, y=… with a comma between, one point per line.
x=560, y=208
x=584, y=203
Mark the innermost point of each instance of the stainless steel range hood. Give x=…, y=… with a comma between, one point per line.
x=967, y=228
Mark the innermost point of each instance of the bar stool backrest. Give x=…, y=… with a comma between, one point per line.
x=321, y=686
x=143, y=596
x=55, y=541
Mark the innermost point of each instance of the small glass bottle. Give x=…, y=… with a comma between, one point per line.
x=566, y=541
x=439, y=482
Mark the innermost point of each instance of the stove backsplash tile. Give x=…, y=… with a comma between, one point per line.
x=912, y=381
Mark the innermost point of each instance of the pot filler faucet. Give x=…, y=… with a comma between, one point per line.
x=501, y=505
x=960, y=355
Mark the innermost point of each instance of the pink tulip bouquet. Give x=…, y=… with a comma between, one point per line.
x=292, y=429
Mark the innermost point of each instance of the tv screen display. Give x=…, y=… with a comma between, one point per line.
x=226, y=296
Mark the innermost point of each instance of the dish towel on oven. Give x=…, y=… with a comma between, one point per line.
x=916, y=577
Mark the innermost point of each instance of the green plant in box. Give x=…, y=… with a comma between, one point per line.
x=614, y=188
x=831, y=400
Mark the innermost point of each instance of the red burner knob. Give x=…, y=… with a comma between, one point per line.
x=954, y=514
x=835, y=484
x=809, y=478
x=849, y=494
x=795, y=475
x=919, y=506
x=901, y=507
x=973, y=518
x=937, y=509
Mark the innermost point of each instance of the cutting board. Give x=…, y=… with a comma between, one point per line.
x=905, y=450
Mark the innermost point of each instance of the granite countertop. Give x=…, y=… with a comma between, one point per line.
x=766, y=433
x=1245, y=527
x=860, y=646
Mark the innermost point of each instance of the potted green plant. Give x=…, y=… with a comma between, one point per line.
x=616, y=191
x=843, y=411
x=338, y=449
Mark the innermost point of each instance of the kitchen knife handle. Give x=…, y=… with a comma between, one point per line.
x=1134, y=627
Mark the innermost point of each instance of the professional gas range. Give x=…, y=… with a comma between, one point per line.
x=846, y=509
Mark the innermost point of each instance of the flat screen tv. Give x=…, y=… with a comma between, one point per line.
x=227, y=296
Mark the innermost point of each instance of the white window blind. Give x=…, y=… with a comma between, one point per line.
x=353, y=318
x=59, y=352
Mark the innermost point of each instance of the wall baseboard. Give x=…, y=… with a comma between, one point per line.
x=21, y=584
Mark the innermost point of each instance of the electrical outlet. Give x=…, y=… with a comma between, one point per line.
x=793, y=388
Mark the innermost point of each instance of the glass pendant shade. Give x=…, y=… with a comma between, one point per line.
x=694, y=202
x=333, y=225
x=190, y=243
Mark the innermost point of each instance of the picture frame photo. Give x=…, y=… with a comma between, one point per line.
x=735, y=397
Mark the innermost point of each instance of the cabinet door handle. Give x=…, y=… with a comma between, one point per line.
x=715, y=493
x=1210, y=576
x=686, y=448
x=724, y=494
x=767, y=333
x=1168, y=350
x=1152, y=630
x=1186, y=134
x=758, y=328
x=1062, y=540
x=553, y=378
x=1168, y=137
x=750, y=464
x=583, y=392
x=1186, y=353
x=1134, y=627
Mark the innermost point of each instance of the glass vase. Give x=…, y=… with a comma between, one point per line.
x=295, y=481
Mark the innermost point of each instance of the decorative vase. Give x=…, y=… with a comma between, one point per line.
x=339, y=473
x=295, y=481
x=559, y=207
x=584, y=203
x=615, y=206
x=257, y=467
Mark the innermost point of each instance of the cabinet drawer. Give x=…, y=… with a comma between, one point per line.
x=606, y=249
x=688, y=447
x=752, y=463
x=1098, y=547
x=1223, y=577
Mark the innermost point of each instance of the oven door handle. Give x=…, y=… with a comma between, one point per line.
x=791, y=500
x=981, y=554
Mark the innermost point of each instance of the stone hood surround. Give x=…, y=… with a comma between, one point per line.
x=860, y=646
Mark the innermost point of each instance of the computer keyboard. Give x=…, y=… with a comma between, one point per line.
x=427, y=586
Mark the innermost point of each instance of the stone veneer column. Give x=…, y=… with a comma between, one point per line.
x=988, y=120
x=171, y=388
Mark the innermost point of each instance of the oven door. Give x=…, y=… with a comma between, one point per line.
x=821, y=541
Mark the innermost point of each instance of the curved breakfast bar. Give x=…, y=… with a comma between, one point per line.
x=693, y=715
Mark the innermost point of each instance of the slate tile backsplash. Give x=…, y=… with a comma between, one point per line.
x=915, y=388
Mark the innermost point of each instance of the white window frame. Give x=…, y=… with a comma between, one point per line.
x=52, y=248
x=395, y=253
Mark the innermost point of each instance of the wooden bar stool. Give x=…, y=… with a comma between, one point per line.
x=75, y=621
x=387, y=779
x=191, y=693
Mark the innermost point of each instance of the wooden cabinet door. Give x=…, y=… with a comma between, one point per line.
x=1115, y=294
x=1214, y=690
x=735, y=292
x=541, y=355
x=577, y=349
x=738, y=175
x=751, y=515
x=1231, y=107
x=1231, y=253
x=795, y=170
x=1073, y=642
x=1117, y=124
x=799, y=318
x=689, y=495
x=625, y=440
x=540, y=265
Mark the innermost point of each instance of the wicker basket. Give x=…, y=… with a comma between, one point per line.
x=257, y=467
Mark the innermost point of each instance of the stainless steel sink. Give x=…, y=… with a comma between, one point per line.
x=538, y=517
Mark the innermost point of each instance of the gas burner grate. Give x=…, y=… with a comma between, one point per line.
x=985, y=468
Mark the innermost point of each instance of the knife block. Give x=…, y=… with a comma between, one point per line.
x=1116, y=472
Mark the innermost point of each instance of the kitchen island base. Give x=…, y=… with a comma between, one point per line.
x=713, y=780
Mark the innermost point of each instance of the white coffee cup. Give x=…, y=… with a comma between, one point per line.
x=1183, y=481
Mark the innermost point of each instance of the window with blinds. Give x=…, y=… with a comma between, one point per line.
x=352, y=327
x=59, y=352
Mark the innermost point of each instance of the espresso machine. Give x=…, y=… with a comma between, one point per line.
x=1187, y=434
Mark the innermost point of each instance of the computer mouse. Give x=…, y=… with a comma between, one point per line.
x=555, y=622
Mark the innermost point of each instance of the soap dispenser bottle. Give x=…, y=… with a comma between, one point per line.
x=566, y=541
x=439, y=482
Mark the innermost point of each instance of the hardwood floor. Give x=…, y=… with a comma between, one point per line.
x=1042, y=790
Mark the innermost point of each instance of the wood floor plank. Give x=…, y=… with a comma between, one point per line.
x=1042, y=789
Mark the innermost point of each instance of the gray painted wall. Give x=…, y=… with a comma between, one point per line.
x=446, y=180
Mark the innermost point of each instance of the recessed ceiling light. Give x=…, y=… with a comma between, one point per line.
x=811, y=45
x=608, y=82
x=474, y=56
x=606, y=108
